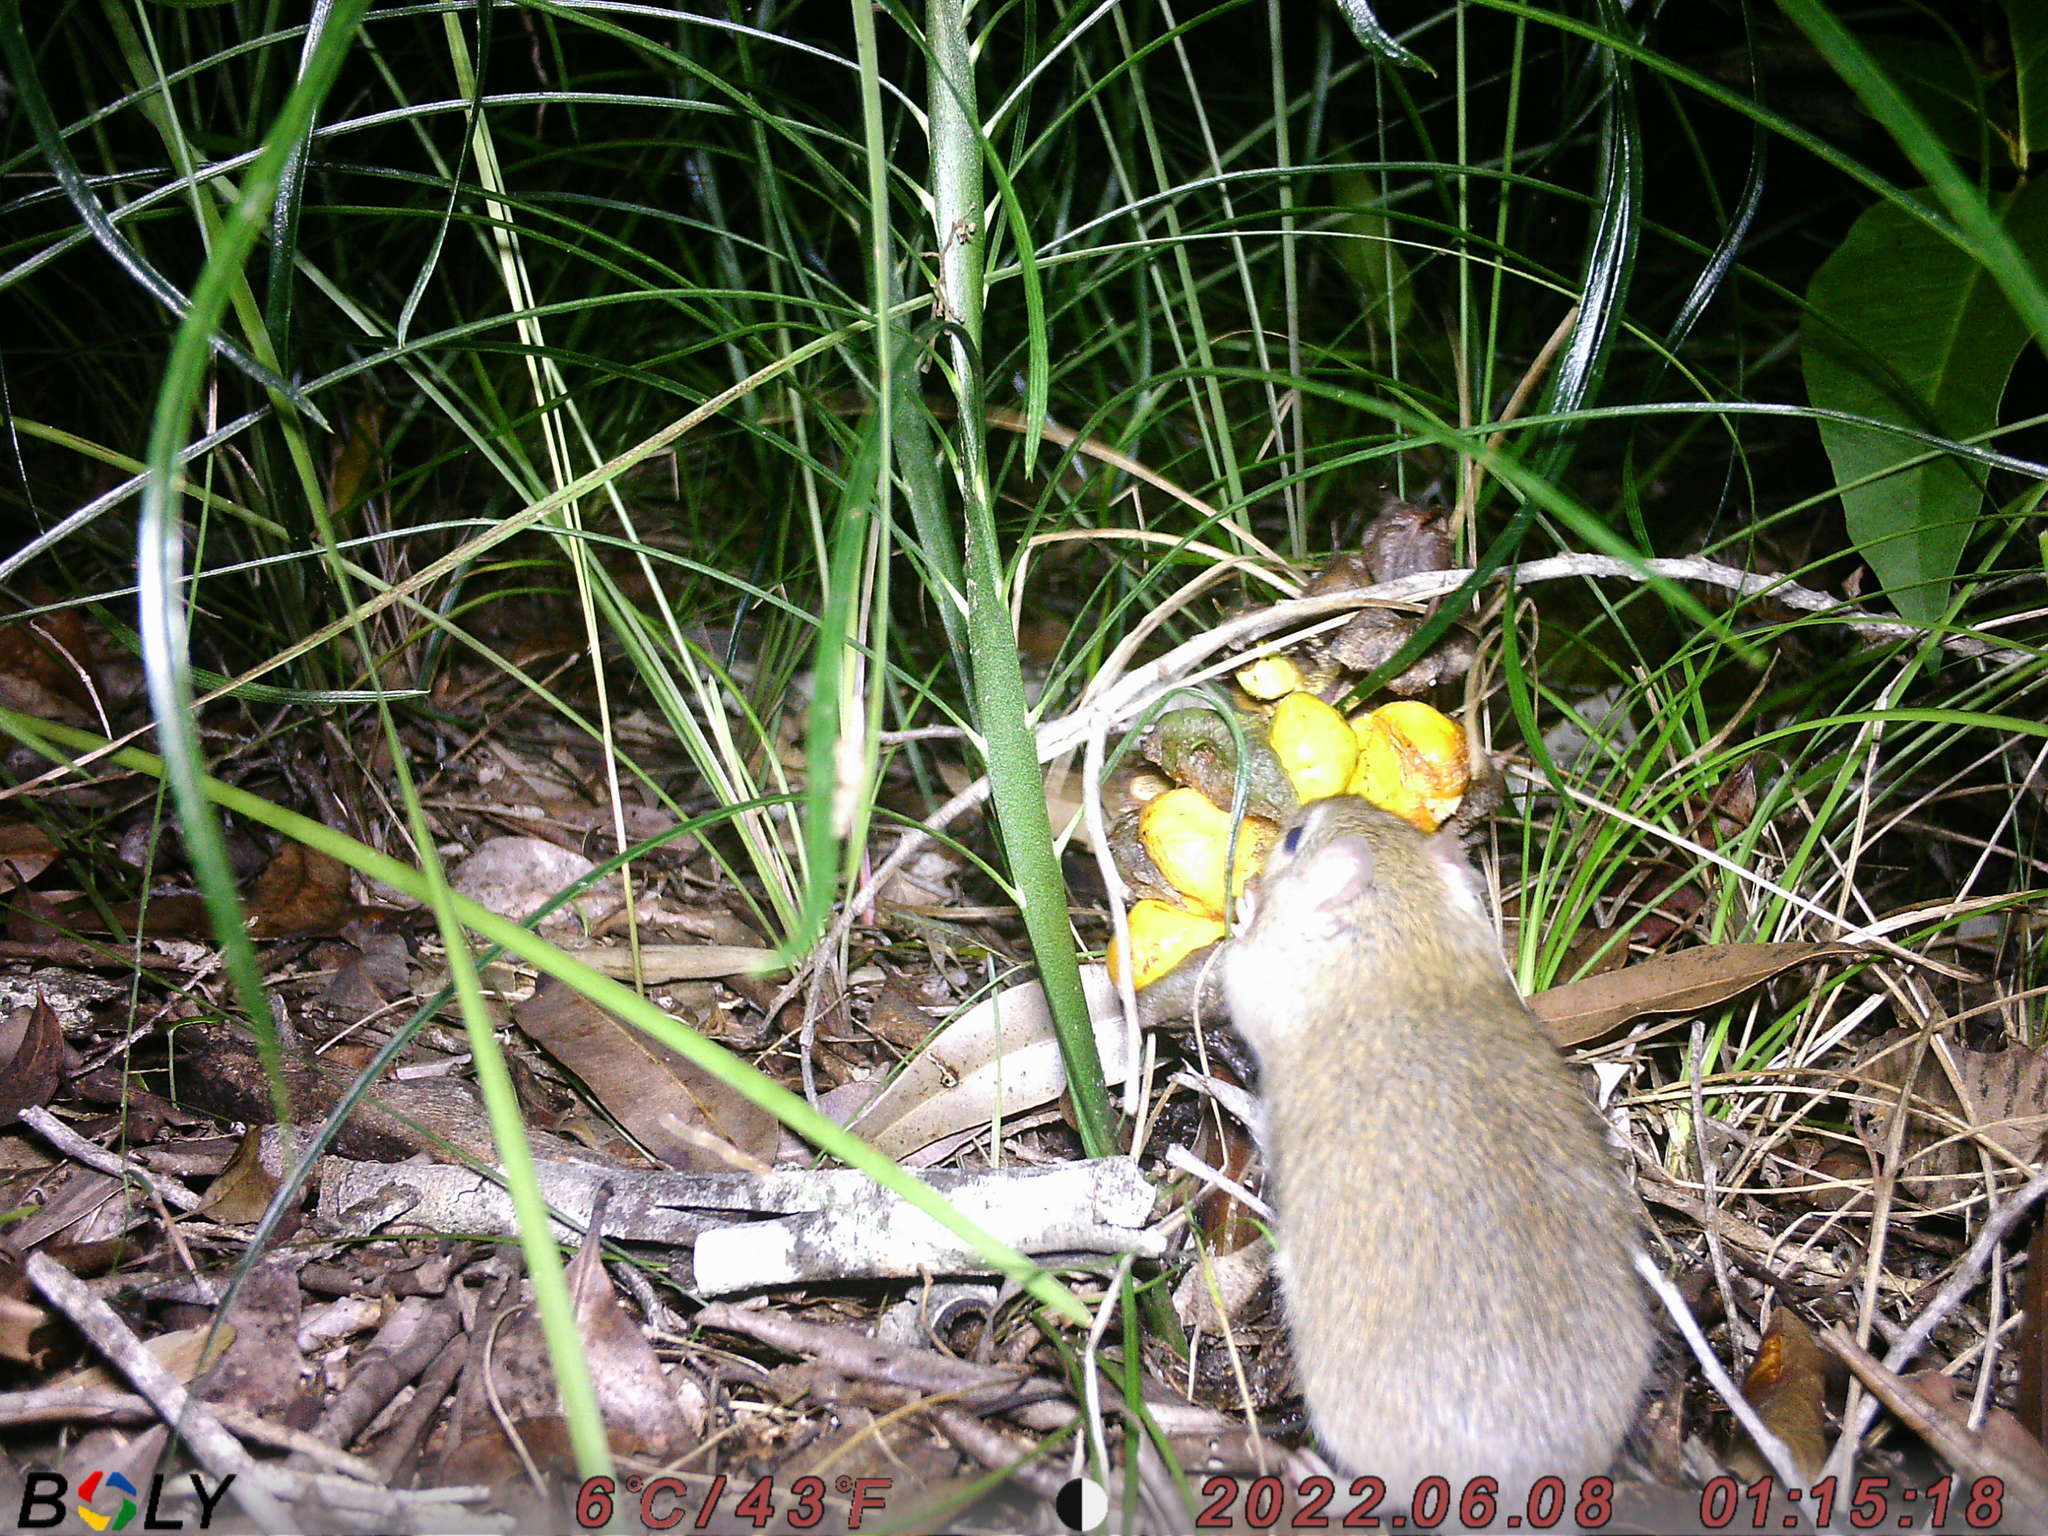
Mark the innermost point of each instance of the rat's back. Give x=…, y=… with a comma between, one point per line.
x=1456, y=1245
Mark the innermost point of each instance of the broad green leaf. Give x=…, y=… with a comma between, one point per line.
x=1941, y=82
x=1907, y=328
x=1366, y=249
x=2029, y=19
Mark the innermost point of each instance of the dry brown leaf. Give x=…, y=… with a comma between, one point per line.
x=1595, y=951
x=1222, y=1219
x=300, y=891
x=163, y=917
x=44, y=666
x=487, y=1457
x=25, y=851
x=1733, y=802
x=507, y=1380
x=930, y=880
x=183, y=1352
x=31, y=1059
x=510, y=1382
x=28, y=1334
x=1683, y=982
x=683, y=1115
x=44, y=915
x=80, y=1205
x=1217, y=1294
x=642, y=1415
x=2001, y=1433
x=349, y=465
x=221, y=1072
x=1945, y=1426
x=245, y=1188
x=1787, y=1385
x=261, y=1372
x=2003, y=1103
x=373, y=969
x=31, y=698
x=897, y=1019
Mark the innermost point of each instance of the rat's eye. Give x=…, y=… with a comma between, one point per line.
x=1291, y=841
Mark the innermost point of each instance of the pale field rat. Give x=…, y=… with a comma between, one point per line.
x=1455, y=1238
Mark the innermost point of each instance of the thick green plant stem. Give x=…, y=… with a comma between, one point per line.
x=1000, y=708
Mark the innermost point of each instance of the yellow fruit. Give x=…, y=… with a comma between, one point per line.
x=1270, y=677
x=1161, y=937
x=1411, y=761
x=1188, y=839
x=1315, y=745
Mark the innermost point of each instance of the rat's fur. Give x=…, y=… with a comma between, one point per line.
x=1455, y=1239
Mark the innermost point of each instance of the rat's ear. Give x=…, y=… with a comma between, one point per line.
x=1340, y=874
x=1461, y=880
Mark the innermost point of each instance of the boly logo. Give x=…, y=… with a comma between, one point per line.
x=107, y=1501
x=88, y=1495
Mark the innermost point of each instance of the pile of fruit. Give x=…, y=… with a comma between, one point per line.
x=1404, y=757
